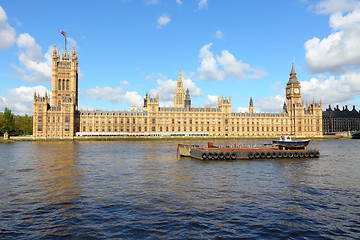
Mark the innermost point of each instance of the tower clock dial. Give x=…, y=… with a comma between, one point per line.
x=296, y=90
x=288, y=91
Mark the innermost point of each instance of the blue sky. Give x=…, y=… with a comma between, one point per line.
x=227, y=48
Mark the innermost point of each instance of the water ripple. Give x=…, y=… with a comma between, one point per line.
x=139, y=190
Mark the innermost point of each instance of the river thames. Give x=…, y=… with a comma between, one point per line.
x=139, y=190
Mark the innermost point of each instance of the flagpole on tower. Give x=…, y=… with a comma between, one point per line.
x=64, y=34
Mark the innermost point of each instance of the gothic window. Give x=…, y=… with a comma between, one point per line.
x=63, y=84
x=66, y=128
x=59, y=86
x=67, y=85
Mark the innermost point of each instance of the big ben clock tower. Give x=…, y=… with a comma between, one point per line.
x=293, y=100
x=293, y=90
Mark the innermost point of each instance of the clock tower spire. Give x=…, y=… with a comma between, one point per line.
x=293, y=89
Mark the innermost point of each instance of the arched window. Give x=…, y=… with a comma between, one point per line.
x=63, y=84
x=67, y=85
x=59, y=87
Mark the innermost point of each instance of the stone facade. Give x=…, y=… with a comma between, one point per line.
x=60, y=117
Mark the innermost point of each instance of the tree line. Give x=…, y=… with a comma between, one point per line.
x=15, y=125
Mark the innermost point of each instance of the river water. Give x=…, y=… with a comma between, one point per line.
x=139, y=190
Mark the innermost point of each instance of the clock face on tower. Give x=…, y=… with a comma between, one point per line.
x=288, y=91
x=296, y=90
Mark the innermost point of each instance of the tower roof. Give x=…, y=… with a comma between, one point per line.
x=293, y=77
x=251, y=103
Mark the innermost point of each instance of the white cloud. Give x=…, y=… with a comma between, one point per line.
x=21, y=99
x=270, y=104
x=166, y=90
x=133, y=98
x=334, y=6
x=125, y=83
x=203, y=4
x=209, y=68
x=163, y=20
x=38, y=67
x=232, y=68
x=110, y=94
x=332, y=91
x=179, y=2
x=115, y=95
x=338, y=52
x=7, y=33
x=193, y=89
x=212, y=100
x=242, y=109
x=219, y=34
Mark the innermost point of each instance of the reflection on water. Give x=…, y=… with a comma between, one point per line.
x=139, y=189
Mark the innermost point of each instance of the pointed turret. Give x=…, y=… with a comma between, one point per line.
x=187, y=99
x=65, y=56
x=73, y=54
x=179, y=96
x=251, y=106
x=293, y=77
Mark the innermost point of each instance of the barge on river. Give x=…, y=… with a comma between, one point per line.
x=240, y=151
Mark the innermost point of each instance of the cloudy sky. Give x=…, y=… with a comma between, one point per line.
x=227, y=48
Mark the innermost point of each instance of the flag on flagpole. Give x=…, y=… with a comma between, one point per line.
x=63, y=33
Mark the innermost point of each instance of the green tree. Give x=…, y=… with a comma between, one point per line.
x=2, y=123
x=23, y=125
x=9, y=122
x=15, y=124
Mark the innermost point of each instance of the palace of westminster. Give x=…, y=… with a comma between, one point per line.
x=59, y=116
